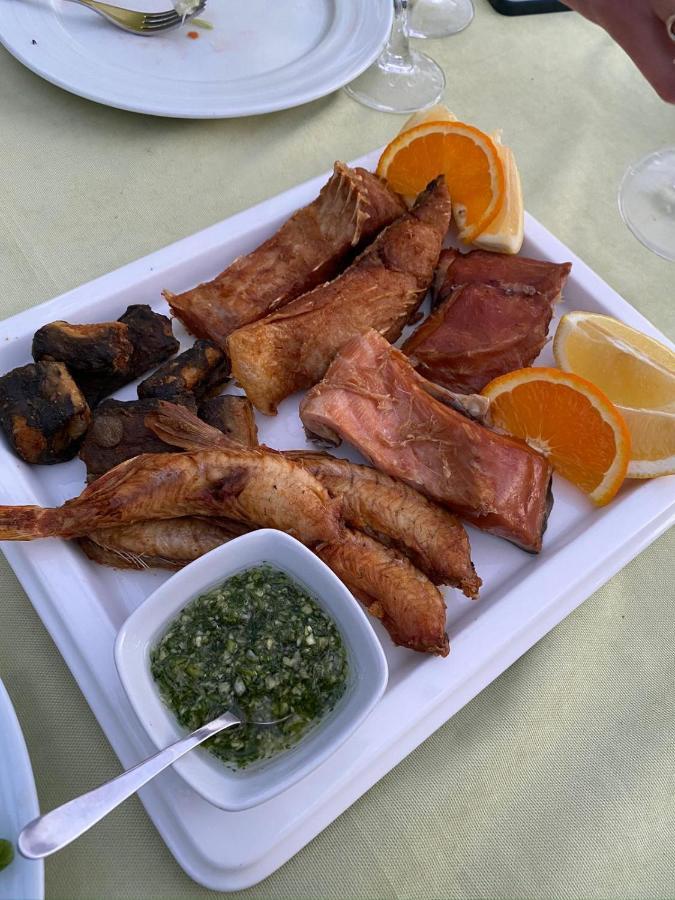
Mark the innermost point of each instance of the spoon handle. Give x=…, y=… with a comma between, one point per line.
x=49, y=833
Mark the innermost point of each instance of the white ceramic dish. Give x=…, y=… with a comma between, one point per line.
x=523, y=597
x=23, y=879
x=260, y=56
x=236, y=790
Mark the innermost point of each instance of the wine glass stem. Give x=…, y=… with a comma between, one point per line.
x=397, y=50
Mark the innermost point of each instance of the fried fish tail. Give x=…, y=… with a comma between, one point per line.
x=409, y=606
x=23, y=523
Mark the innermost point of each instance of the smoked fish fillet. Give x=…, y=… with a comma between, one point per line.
x=493, y=317
x=311, y=247
x=373, y=398
x=291, y=349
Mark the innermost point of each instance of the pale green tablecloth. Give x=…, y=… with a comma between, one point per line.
x=559, y=779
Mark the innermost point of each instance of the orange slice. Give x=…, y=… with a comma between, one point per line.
x=469, y=159
x=570, y=421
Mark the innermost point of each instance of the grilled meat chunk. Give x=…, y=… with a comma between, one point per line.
x=191, y=375
x=312, y=246
x=105, y=356
x=373, y=398
x=233, y=416
x=43, y=412
x=493, y=318
x=291, y=349
x=410, y=607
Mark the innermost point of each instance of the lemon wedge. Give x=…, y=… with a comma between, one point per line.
x=638, y=375
x=505, y=233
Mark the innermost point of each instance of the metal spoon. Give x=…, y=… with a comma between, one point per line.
x=58, y=828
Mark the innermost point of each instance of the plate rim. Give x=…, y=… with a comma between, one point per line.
x=661, y=512
x=15, y=742
x=11, y=43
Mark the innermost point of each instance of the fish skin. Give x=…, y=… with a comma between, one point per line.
x=291, y=349
x=312, y=246
x=373, y=398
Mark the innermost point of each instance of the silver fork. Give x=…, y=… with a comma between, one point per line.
x=144, y=23
x=56, y=829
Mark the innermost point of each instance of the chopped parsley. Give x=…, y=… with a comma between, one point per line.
x=6, y=854
x=261, y=644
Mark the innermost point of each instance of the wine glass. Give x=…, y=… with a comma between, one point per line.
x=647, y=201
x=439, y=18
x=401, y=80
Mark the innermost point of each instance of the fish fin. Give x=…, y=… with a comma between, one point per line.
x=177, y=426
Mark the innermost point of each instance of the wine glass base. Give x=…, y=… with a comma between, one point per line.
x=439, y=18
x=399, y=87
x=647, y=201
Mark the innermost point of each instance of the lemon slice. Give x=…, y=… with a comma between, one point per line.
x=638, y=375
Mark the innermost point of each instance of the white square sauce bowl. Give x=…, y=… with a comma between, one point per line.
x=219, y=784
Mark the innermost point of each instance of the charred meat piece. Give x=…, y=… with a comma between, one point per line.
x=398, y=516
x=410, y=607
x=191, y=374
x=512, y=274
x=493, y=318
x=151, y=335
x=118, y=432
x=233, y=416
x=373, y=398
x=43, y=412
x=382, y=289
x=256, y=487
x=312, y=246
x=104, y=357
x=164, y=544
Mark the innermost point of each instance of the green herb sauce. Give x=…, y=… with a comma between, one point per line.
x=262, y=644
x=6, y=854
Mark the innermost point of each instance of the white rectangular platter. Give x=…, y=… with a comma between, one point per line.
x=523, y=597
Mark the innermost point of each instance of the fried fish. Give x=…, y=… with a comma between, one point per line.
x=399, y=516
x=410, y=607
x=251, y=486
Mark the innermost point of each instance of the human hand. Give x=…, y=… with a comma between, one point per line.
x=641, y=28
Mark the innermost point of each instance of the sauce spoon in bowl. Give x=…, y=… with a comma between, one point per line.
x=58, y=828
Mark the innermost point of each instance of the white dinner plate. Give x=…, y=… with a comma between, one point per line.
x=523, y=596
x=23, y=879
x=260, y=55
